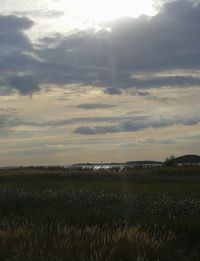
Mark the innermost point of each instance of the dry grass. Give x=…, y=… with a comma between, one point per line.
x=60, y=215
x=39, y=241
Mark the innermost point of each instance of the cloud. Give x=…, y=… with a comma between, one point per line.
x=12, y=34
x=167, y=81
x=169, y=41
x=105, y=119
x=8, y=121
x=25, y=84
x=41, y=13
x=151, y=82
x=157, y=141
x=149, y=96
x=110, y=124
x=126, y=126
x=15, y=40
x=14, y=61
x=94, y=106
x=14, y=64
x=113, y=91
x=11, y=23
x=137, y=125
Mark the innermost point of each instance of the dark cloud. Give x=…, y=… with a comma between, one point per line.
x=108, y=58
x=153, y=82
x=133, y=126
x=11, y=23
x=14, y=64
x=19, y=62
x=25, y=84
x=97, y=130
x=14, y=43
x=167, y=41
x=113, y=91
x=167, y=81
x=144, y=93
x=117, y=124
x=12, y=37
x=94, y=106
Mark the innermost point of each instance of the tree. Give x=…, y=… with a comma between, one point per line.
x=170, y=162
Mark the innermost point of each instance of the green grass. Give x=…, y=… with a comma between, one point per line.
x=138, y=214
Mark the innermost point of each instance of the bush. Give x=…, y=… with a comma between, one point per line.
x=170, y=162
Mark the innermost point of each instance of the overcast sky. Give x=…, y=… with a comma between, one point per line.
x=81, y=84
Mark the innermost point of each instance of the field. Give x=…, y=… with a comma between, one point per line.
x=136, y=214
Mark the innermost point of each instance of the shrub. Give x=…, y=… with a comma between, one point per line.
x=170, y=162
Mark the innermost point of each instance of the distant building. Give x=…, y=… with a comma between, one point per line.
x=188, y=160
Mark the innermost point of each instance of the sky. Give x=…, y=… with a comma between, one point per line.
x=92, y=81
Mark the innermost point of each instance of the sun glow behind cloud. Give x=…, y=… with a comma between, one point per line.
x=67, y=17
x=93, y=12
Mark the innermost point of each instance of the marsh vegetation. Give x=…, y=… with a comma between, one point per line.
x=137, y=214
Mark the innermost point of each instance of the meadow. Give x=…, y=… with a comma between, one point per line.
x=72, y=214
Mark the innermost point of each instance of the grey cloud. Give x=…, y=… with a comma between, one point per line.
x=41, y=13
x=13, y=42
x=133, y=126
x=25, y=84
x=143, y=93
x=167, y=81
x=9, y=121
x=125, y=127
x=19, y=62
x=167, y=41
x=107, y=119
x=113, y=91
x=11, y=23
x=93, y=106
x=13, y=61
x=15, y=64
x=60, y=74
x=157, y=141
x=53, y=39
x=149, y=96
x=110, y=124
x=151, y=82
x=16, y=40
x=97, y=130
x=170, y=40
x=12, y=35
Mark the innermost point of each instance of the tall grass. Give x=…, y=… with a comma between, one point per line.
x=57, y=214
x=39, y=241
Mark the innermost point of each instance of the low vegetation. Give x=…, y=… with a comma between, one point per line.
x=137, y=214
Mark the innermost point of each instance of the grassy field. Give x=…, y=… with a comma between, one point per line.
x=137, y=214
